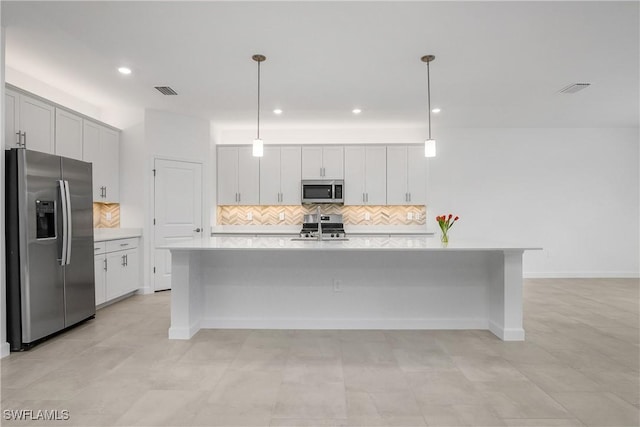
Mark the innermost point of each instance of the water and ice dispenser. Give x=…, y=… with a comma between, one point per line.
x=45, y=219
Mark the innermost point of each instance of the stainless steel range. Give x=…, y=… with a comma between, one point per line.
x=322, y=227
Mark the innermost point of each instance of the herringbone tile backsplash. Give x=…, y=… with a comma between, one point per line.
x=354, y=215
x=100, y=211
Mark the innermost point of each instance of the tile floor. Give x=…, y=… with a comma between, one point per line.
x=578, y=366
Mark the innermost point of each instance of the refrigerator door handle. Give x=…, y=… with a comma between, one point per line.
x=69, y=225
x=65, y=222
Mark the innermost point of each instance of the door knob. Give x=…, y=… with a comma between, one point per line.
x=197, y=230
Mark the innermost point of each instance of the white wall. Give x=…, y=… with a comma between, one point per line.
x=573, y=192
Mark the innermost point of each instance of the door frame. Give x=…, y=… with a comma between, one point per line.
x=203, y=209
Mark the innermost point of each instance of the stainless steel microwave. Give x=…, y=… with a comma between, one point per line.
x=322, y=191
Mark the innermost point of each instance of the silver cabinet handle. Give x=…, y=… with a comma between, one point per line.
x=367, y=197
x=105, y=264
x=123, y=264
x=105, y=192
x=197, y=230
x=24, y=139
x=124, y=244
x=362, y=197
x=126, y=260
x=18, y=135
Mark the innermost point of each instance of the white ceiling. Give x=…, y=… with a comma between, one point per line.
x=498, y=64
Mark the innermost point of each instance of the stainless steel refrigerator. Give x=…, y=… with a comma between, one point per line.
x=49, y=241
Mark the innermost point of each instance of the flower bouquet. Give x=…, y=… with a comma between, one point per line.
x=446, y=222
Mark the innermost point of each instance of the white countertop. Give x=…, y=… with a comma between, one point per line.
x=406, y=243
x=103, y=234
x=295, y=229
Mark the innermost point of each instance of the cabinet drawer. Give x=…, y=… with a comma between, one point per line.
x=122, y=244
x=99, y=248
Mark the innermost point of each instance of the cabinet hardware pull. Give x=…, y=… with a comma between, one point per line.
x=105, y=264
x=124, y=244
x=197, y=230
x=18, y=135
x=24, y=139
x=126, y=260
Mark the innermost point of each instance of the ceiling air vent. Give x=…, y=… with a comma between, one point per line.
x=166, y=90
x=575, y=87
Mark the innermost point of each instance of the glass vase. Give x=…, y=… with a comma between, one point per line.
x=444, y=237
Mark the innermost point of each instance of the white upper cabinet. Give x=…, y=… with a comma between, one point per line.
x=365, y=174
x=29, y=123
x=323, y=162
x=416, y=175
x=101, y=147
x=290, y=175
x=68, y=134
x=11, y=122
x=376, y=175
x=406, y=175
x=238, y=176
x=110, y=152
x=280, y=172
x=227, y=176
x=248, y=177
x=354, y=176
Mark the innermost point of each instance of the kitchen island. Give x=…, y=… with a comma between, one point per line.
x=397, y=282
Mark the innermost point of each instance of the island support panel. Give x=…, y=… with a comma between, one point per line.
x=324, y=289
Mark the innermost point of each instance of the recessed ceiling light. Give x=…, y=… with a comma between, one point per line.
x=356, y=111
x=124, y=70
x=436, y=110
x=277, y=111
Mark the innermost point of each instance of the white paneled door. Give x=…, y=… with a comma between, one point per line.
x=177, y=210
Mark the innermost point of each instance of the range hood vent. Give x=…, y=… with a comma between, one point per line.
x=166, y=90
x=575, y=87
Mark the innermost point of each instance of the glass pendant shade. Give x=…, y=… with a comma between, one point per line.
x=430, y=148
x=258, y=148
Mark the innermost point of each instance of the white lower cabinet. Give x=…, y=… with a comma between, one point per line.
x=117, y=268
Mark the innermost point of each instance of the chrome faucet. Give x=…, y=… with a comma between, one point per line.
x=319, y=215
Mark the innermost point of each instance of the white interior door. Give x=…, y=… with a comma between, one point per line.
x=178, y=212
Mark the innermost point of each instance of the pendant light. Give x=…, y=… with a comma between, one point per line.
x=258, y=146
x=430, y=143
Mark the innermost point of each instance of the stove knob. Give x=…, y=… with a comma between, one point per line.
x=332, y=235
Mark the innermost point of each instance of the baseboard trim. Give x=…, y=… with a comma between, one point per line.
x=184, y=333
x=5, y=350
x=582, y=275
x=289, y=323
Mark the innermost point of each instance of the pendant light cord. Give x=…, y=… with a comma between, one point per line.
x=258, y=100
x=429, y=98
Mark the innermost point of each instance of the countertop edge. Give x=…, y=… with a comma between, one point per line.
x=106, y=234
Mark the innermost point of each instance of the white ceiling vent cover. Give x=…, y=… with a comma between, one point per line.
x=166, y=90
x=575, y=87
